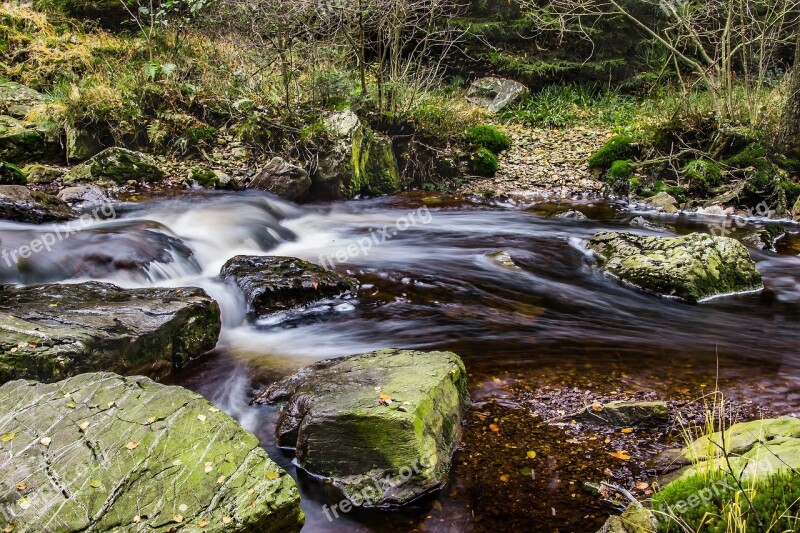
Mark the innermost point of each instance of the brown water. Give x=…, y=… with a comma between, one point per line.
x=555, y=323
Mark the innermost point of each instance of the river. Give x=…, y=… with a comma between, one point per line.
x=429, y=282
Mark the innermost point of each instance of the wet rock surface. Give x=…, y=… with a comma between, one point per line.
x=621, y=414
x=116, y=166
x=271, y=283
x=282, y=179
x=101, y=452
x=20, y=204
x=692, y=267
x=382, y=426
x=50, y=332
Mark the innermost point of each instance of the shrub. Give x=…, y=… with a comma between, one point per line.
x=488, y=137
x=11, y=175
x=753, y=156
x=792, y=191
x=618, y=148
x=703, y=174
x=484, y=162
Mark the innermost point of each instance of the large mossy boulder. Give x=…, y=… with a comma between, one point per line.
x=271, y=283
x=20, y=204
x=116, y=166
x=693, y=267
x=50, y=332
x=23, y=142
x=11, y=174
x=283, y=179
x=381, y=426
x=357, y=162
x=101, y=452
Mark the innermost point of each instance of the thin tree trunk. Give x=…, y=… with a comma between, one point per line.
x=789, y=135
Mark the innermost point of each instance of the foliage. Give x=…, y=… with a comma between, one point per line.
x=489, y=137
x=619, y=177
x=703, y=175
x=618, y=148
x=484, y=162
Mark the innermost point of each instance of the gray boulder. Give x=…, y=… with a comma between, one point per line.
x=357, y=161
x=116, y=166
x=21, y=142
x=81, y=144
x=381, y=426
x=82, y=196
x=496, y=94
x=282, y=179
x=692, y=267
x=50, y=332
x=278, y=283
x=17, y=99
x=20, y=204
x=101, y=452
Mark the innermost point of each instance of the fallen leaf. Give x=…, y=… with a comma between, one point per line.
x=272, y=475
x=314, y=285
x=220, y=480
x=201, y=418
x=627, y=430
x=131, y=445
x=151, y=420
x=137, y=519
x=494, y=427
x=9, y=528
x=202, y=523
x=226, y=519
x=22, y=486
x=71, y=405
x=183, y=507
x=177, y=518
x=504, y=478
x=621, y=455
x=597, y=407
x=531, y=454
x=111, y=404
x=177, y=462
x=250, y=491
x=45, y=441
x=213, y=409
x=25, y=503
x=13, y=350
x=209, y=467
x=642, y=485
x=83, y=426
x=95, y=484
x=8, y=437
x=527, y=472
x=384, y=399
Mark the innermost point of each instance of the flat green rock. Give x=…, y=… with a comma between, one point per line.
x=116, y=165
x=692, y=267
x=100, y=452
x=382, y=426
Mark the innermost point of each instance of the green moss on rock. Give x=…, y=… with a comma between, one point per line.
x=116, y=165
x=618, y=148
x=484, y=162
x=692, y=267
x=11, y=175
x=383, y=425
x=101, y=452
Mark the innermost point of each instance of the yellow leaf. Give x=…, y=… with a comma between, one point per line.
x=9, y=528
x=597, y=407
x=384, y=399
x=504, y=478
x=201, y=418
x=202, y=523
x=83, y=426
x=494, y=427
x=45, y=441
x=95, y=484
x=151, y=420
x=25, y=503
x=272, y=475
x=642, y=485
x=220, y=480
x=627, y=430
x=213, y=409
x=250, y=491
x=71, y=405
x=226, y=519
x=111, y=404
x=8, y=437
x=621, y=455
x=531, y=454
x=137, y=519
x=22, y=486
x=131, y=445
x=177, y=518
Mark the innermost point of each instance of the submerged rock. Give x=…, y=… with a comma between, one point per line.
x=282, y=179
x=116, y=165
x=503, y=259
x=623, y=414
x=101, y=452
x=20, y=204
x=359, y=161
x=572, y=214
x=692, y=267
x=664, y=202
x=272, y=283
x=496, y=94
x=50, y=332
x=382, y=426
x=82, y=196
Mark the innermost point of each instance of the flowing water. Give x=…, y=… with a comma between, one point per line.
x=429, y=282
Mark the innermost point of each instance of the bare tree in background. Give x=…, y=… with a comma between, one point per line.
x=728, y=47
x=789, y=136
